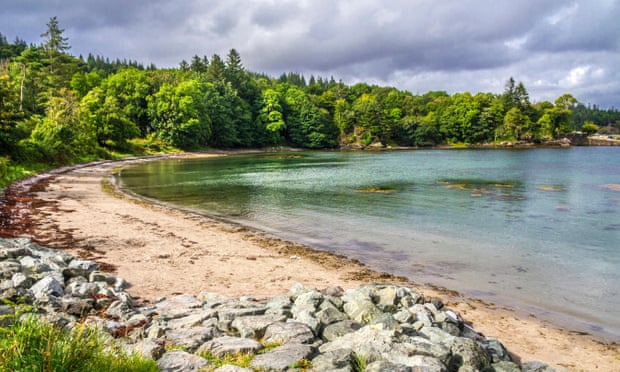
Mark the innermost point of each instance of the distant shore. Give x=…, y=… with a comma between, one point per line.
x=162, y=251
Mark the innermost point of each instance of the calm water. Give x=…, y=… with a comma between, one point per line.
x=536, y=229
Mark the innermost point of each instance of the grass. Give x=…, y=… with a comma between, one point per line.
x=33, y=344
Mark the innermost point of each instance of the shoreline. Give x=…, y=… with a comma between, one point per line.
x=64, y=213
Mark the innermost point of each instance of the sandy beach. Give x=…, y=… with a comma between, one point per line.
x=161, y=251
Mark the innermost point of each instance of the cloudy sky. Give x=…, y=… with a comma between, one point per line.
x=552, y=46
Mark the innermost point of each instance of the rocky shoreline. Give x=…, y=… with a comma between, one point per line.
x=375, y=327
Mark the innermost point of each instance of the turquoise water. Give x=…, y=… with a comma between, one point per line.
x=535, y=229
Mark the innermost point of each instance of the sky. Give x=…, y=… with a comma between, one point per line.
x=552, y=46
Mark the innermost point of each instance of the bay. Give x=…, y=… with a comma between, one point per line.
x=535, y=229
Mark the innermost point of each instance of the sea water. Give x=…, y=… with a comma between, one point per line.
x=536, y=229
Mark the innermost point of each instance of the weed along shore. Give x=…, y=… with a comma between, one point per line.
x=191, y=291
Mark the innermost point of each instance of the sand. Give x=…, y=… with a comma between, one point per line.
x=161, y=251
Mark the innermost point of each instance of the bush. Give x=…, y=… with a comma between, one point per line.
x=35, y=345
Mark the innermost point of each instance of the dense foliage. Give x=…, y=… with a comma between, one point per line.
x=56, y=108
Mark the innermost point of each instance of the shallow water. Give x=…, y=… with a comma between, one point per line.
x=537, y=229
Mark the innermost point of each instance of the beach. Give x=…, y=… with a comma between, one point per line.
x=162, y=251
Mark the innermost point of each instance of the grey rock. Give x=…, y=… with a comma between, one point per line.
x=9, y=268
x=227, y=345
x=149, y=348
x=231, y=368
x=503, y=366
x=280, y=305
x=33, y=265
x=177, y=306
x=333, y=291
x=370, y=341
x=194, y=319
x=385, y=366
x=21, y=280
x=254, y=326
x=330, y=314
x=362, y=311
x=282, y=357
x=307, y=318
x=496, y=350
x=385, y=321
x=76, y=306
x=181, y=361
x=119, y=310
x=421, y=363
x=228, y=314
x=191, y=338
x=388, y=298
x=338, y=329
x=536, y=367
x=340, y=359
x=80, y=268
x=403, y=316
x=211, y=299
x=289, y=332
x=46, y=287
x=14, y=252
x=435, y=334
x=307, y=301
x=467, y=353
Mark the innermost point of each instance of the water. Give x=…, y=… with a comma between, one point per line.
x=535, y=229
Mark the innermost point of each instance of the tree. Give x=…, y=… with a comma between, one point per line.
x=589, y=128
x=54, y=43
x=9, y=113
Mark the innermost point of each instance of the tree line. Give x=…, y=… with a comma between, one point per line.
x=57, y=108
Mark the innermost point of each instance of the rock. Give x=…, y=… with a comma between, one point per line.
x=282, y=357
x=177, y=306
x=193, y=319
x=78, y=307
x=229, y=314
x=503, y=366
x=496, y=350
x=384, y=366
x=330, y=314
x=422, y=346
x=536, y=367
x=339, y=359
x=21, y=280
x=181, y=361
x=422, y=363
x=289, y=333
x=227, y=345
x=254, y=326
x=338, y=329
x=211, y=299
x=370, y=341
x=385, y=321
x=9, y=268
x=467, y=353
x=149, y=348
x=191, y=338
x=47, y=286
x=362, y=311
x=231, y=368
x=80, y=268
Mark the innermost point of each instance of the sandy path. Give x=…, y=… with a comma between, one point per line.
x=161, y=251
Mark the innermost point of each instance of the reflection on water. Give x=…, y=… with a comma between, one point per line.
x=534, y=227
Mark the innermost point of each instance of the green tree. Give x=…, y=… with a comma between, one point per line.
x=516, y=123
x=271, y=115
x=9, y=114
x=589, y=128
x=54, y=43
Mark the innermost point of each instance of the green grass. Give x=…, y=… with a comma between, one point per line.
x=35, y=345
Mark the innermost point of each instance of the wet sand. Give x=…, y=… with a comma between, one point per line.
x=162, y=251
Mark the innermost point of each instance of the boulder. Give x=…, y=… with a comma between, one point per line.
x=282, y=357
x=227, y=345
x=181, y=361
x=289, y=332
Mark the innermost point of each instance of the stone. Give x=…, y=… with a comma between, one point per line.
x=227, y=345
x=80, y=268
x=227, y=313
x=9, y=268
x=369, y=341
x=422, y=363
x=420, y=346
x=282, y=357
x=289, y=332
x=338, y=359
x=467, y=353
x=338, y=329
x=149, y=348
x=232, y=368
x=177, y=306
x=181, y=361
x=76, y=306
x=362, y=311
x=211, y=299
x=21, y=280
x=536, y=367
x=254, y=326
x=385, y=366
x=46, y=287
x=503, y=366
x=193, y=319
x=191, y=338
x=496, y=350
x=330, y=314
x=385, y=321
x=280, y=305
x=307, y=318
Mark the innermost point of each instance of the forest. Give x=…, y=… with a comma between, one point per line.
x=56, y=109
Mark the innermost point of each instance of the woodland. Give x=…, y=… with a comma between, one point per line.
x=56, y=108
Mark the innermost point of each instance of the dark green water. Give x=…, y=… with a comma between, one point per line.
x=537, y=229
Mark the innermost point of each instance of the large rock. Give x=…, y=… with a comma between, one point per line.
x=177, y=306
x=191, y=338
x=48, y=286
x=227, y=345
x=193, y=319
x=181, y=361
x=362, y=311
x=467, y=355
x=254, y=326
x=282, y=357
x=338, y=329
x=340, y=359
x=289, y=332
x=369, y=341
